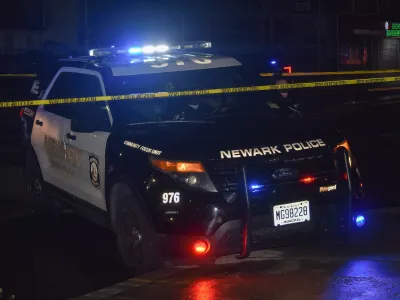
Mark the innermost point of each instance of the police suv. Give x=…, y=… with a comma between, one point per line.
x=194, y=177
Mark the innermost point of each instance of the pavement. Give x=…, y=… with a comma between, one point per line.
x=68, y=257
x=363, y=269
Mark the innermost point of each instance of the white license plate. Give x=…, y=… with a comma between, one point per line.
x=296, y=212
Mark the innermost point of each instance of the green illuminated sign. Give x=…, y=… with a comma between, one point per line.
x=393, y=33
x=392, y=29
x=396, y=26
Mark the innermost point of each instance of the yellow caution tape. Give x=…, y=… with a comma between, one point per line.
x=201, y=92
x=18, y=75
x=332, y=73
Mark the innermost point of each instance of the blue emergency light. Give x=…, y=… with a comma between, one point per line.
x=148, y=49
x=135, y=50
x=359, y=220
x=255, y=187
x=273, y=62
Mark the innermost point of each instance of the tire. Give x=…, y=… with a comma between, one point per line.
x=136, y=238
x=40, y=198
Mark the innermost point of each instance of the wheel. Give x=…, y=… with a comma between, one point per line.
x=136, y=238
x=42, y=203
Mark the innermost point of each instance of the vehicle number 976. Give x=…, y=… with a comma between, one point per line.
x=171, y=197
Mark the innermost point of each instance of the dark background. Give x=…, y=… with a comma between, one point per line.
x=310, y=35
x=48, y=259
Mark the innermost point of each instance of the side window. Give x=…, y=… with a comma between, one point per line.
x=73, y=85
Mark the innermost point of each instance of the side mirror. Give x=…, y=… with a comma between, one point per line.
x=84, y=127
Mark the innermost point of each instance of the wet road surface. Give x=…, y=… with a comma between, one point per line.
x=44, y=259
x=316, y=270
x=69, y=257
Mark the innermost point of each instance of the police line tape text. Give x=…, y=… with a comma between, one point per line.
x=8, y=104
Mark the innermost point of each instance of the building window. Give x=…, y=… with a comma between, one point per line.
x=302, y=5
x=283, y=31
x=8, y=42
x=29, y=41
x=353, y=55
x=48, y=19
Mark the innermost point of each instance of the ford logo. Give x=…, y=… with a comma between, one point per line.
x=285, y=173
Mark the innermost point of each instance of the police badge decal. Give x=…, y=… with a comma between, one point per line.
x=94, y=170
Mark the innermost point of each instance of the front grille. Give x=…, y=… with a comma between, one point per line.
x=226, y=176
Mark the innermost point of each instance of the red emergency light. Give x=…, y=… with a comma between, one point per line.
x=288, y=69
x=308, y=179
x=201, y=247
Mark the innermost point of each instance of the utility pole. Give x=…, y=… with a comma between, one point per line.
x=319, y=35
x=183, y=28
x=85, y=17
x=262, y=25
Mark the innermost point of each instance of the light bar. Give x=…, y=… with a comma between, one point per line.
x=148, y=49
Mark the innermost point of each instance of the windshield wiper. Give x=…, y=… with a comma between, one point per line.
x=171, y=122
x=237, y=113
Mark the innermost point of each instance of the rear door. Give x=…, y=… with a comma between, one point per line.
x=48, y=134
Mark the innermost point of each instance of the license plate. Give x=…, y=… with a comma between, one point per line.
x=296, y=212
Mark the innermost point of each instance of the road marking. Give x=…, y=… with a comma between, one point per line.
x=384, y=89
x=18, y=75
x=260, y=255
x=294, y=74
x=158, y=276
x=371, y=103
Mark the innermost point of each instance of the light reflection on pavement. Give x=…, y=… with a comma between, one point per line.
x=368, y=268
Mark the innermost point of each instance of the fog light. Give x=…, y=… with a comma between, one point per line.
x=230, y=197
x=359, y=220
x=201, y=247
x=192, y=180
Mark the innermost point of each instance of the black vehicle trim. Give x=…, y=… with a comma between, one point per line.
x=81, y=207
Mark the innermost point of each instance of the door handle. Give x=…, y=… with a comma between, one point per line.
x=40, y=123
x=71, y=136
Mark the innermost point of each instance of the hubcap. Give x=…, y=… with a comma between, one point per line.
x=136, y=237
x=38, y=186
x=131, y=238
x=131, y=232
x=36, y=189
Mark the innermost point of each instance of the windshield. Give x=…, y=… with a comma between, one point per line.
x=191, y=108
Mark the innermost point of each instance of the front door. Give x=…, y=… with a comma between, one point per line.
x=87, y=148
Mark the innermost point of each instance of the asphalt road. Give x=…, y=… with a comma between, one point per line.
x=316, y=270
x=69, y=257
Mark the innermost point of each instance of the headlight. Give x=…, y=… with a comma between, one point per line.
x=178, y=166
x=345, y=144
x=190, y=173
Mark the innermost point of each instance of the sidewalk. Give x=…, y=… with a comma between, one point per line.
x=13, y=195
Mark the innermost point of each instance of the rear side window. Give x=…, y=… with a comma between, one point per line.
x=72, y=85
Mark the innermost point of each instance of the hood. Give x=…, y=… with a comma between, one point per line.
x=228, y=138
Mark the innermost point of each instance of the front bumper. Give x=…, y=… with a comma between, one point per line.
x=228, y=239
x=241, y=236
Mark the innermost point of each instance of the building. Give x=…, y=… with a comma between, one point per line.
x=363, y=41
x=42, y=23
x=288, y=31
x=20, y=29
x=63, y=23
